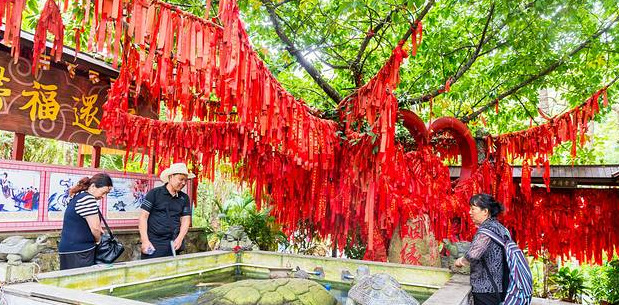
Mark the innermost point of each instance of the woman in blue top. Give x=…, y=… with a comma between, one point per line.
x=81, y=227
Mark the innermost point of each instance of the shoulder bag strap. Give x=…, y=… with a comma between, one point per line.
x=493, y=236
x=105, y=223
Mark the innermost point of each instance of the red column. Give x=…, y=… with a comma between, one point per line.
x=152, y=162
x=96, y=156
x=80, y=156
x=18, y=146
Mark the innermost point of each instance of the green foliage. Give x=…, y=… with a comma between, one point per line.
x=6, y=144
x=260, y=226
x=204, y=208
x=355, y=248
x=30, y=16
x=305, y=240
x=569, y=284
x=591, y=284
x=541, y=269
x=49, y=151
x=605, y=282
x=135, y=164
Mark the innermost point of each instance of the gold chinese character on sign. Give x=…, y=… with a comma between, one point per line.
x=4, y=92
x=42, y=104
x=86, y=114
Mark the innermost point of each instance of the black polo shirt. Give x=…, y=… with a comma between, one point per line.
x=164, y=220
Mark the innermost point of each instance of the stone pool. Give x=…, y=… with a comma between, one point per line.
x=181, y=279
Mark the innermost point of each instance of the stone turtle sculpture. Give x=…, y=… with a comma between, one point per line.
x=379, y=289
x=18, y=249
x=272, y=292
x=455, y=250
x=235, y=237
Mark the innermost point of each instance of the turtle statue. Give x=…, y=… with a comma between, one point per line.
x=454, y=251
x=300, y=273
x=378, y=289
x=18, y=249
x=273, y=292
x=235, y=238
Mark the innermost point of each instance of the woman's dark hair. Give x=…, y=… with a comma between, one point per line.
x=99, y=180
x=488, y=202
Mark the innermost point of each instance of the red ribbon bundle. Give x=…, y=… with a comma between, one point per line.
x=579, y=222
x=537, y=144
x=12, y=10
x=50, y=20
x=416, y=37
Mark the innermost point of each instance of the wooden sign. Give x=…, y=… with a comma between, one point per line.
x=58, y=103
x=563, y=183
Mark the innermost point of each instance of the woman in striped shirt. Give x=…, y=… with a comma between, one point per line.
x=81, y=227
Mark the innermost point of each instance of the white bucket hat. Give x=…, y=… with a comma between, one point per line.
x=176, y=168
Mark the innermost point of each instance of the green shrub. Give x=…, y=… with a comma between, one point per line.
x=605, y=283
x=355, y=248
x=569, y=284
x=260, y=226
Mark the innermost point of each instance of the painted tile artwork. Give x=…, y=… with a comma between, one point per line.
x=58, y=199
x=59, y=185
x=20, y=196
x=126, y=197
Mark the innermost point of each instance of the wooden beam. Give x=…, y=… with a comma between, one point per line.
x=18, y=146
x=96, y=156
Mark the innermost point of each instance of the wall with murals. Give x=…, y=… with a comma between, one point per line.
x=34, y=196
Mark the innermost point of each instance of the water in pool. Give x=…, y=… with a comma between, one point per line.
x=191, y=297
x=186, y=290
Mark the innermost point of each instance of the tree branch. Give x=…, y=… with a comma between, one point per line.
x=541, y=74
x=469, y=46
x=526, y=110
x=292, y=49
x=307, y=51
x=467, y=66
x=356, y=67
x=462, y=69
x=613, y=81
x=378, y=45
x=422, y=14
x=281, y=3
x=332, y=66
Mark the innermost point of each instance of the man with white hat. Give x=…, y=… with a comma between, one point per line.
x=166, y=214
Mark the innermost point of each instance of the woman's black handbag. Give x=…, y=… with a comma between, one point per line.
x=109, y=249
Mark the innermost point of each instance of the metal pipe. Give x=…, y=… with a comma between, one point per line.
x=420, y=285
x=318, y=271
